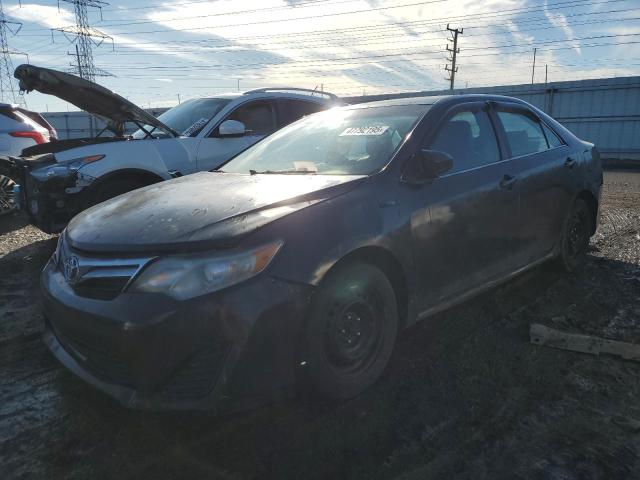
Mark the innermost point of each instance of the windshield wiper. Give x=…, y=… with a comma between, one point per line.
x=284, y=172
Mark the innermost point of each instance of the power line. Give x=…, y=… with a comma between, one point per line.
x=351, y=41
x=410, y=53
x=508, y=12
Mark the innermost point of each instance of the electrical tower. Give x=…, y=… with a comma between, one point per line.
x=7, y=91
x=453, y=52
x=84, y=37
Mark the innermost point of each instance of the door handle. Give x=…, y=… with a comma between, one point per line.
x=569, y=162
x=508, y=181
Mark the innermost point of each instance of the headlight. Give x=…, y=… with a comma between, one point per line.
x=187, y=276
x=66, y=168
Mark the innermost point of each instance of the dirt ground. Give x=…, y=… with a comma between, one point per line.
x=466, y=395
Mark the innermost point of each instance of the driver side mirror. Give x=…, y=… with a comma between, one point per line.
x=427, y=165
x=231, y=128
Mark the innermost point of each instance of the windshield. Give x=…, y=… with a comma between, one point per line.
x=336, y=142
x=189, y=117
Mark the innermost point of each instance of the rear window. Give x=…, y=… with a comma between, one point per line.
x=290, y=110
x=525, y=135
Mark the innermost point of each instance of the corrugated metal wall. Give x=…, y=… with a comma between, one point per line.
x=603, y=111
x=81, y=124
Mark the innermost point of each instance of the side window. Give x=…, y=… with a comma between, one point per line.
x=524, y=134
x=552, y=138
x=469, y=138
x=290, y=110
x=258, y=117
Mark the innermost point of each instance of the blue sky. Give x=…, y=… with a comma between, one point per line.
x=197, y=48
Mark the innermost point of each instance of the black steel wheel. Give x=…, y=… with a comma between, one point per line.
x=351, y=331
x=6, y=195
x=575, y=236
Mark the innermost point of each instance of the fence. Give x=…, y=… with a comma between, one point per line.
x=603, y=111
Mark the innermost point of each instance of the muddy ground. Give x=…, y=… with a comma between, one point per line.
x=466, y=394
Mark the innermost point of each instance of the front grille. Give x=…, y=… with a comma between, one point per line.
x=198, y=376
x=107, y=366
x=101, y=288
x=101, y=278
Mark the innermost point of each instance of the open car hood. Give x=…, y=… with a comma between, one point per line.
x=88, y=96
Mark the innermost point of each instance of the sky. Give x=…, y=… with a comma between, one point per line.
x=158, y=53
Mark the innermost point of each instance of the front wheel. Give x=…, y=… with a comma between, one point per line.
x=574, y=241
x=112, y=189
x=6, y=195
x=351, y=331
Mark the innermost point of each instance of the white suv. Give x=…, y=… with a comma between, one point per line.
x=63, y=178
x=19, y=129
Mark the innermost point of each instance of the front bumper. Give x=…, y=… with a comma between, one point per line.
x=223, y=351
x=51, y=198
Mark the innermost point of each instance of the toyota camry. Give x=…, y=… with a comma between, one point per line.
x=302, y=258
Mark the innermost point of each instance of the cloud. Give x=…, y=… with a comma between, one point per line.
x=560, y=21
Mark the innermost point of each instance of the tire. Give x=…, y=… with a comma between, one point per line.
x=351, y=331
x=6, y=195
x=113, y=189
x=576, y=233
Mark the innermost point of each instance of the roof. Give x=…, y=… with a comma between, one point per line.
x=432, y=100
x=290, y=92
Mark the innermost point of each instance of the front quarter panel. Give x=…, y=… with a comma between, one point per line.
x=318, y=237
x=158, y=156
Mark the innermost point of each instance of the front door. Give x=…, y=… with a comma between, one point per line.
x=465, y=241
x=259, y=118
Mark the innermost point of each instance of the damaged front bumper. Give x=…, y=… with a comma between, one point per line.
x=50, y=192
x=224, y=351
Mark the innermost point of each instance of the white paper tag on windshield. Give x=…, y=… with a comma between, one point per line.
x=375, y=130
x=195, y=127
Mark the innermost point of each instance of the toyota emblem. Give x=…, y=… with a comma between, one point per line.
x=71, y=269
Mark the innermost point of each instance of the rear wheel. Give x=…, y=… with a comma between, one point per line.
x=113, y=189
x=6, y=195
x=575, y=236
x=351, y=331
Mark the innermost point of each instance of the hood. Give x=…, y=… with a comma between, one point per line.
x=88, y=96
x=199, y=211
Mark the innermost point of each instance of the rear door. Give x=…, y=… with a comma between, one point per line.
x=260, y=120
x=542, y=164
x=466, y=240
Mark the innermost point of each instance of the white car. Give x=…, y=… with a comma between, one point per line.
x=63, y=178
x=19, y=129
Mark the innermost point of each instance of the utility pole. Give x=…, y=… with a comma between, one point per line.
x=178, y=99
x=546, y=72
x=453, y=52
x=7, y=91
x=238, y=84
x=533, y=69
x=85, y=37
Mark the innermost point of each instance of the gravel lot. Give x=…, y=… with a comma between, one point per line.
x=466, y=394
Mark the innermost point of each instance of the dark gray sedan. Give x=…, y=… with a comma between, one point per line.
x=304, y=256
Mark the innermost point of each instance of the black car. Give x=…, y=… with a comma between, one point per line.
x=303, y=257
